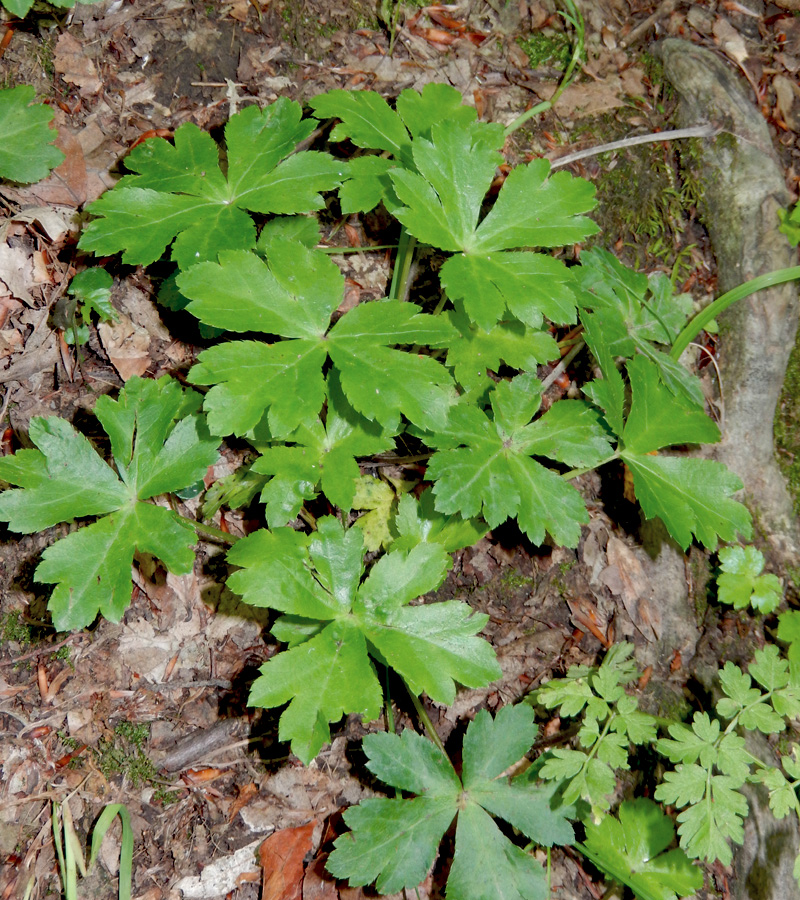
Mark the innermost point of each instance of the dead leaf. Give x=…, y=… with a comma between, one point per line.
x=625, y=578
x=72, y=64
x=785, y=90
x=730, y=41
x=318, y=884
x=282, y=856
x=16, y=271
x=127, y=346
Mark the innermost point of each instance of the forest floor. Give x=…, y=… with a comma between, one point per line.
x=152, y=712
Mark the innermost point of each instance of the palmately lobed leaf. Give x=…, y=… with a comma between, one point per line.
x=631, y=850
x=394, y=842
x=319, y=579
x=179, y=193
x=159, y=445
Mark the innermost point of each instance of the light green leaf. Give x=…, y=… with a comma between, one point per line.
x=437, y=212
x=691, y=497
x=707, y=826
x=157, y=448
x=630, y=850
x=741, y=582
x=418, y=521
x=527, y=285
x=493, y=474
x=320, y=578
x=658, y=418
x=26, y=152
x=322, y=456
x=366, y=119
x=688, y=746
x=476, y=352
x=533, y=210
x=321, y=679
x=179, y=192
x=437, y=103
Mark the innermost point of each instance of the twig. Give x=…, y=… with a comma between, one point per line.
x=664, y=9
x=695, y=131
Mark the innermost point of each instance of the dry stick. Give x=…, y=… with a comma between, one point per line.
x=695, y=131
x=663, y=10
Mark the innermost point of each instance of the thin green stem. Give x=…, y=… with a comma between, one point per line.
x=574, y=473
x=402, y=265
x=425, y=719
x=212, y=530
x=699, y=322
x=574, y=17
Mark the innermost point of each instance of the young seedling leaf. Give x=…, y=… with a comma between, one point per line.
x=26, y=151
x=493, y=474
x=741, y=582
x=319, y=578
x=631, y=850
x=394, y=842
x=179, y=193
x=159, y=445
x=418, y=521
x=322, y=456
x=294, y=294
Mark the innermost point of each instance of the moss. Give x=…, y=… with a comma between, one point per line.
x=547, y=49
x=787, y=427
x=13, y=629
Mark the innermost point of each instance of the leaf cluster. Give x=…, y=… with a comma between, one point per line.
x=612, y=721
x=713, y=762
x=741, y=583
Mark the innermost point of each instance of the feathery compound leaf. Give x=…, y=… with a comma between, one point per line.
x=741, y=582
x=319, y=578
x=394, y=842
x=631, y=851
x=280, y=385
x=493, y=474
x=180, y=193
x=157, y=448
x=26, y=151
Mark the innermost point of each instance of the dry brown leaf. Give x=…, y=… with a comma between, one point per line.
x=730, y=41
x=72, y=64
x=281, y=856
x=127, y=346
x=625, y=578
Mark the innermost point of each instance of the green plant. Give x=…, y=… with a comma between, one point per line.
x=21, y=8
x=26, y=152
x=89, y=291
x=333, y=622
x=394, y=842
x=123, y=754
x=741, y=583
x=712, y=762
x=70, y=853
x=631, y=850
x=159, y=444
x=319, y=392
x=790, y=224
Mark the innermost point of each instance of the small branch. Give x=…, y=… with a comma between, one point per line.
x=664, y=9
x=695, y=131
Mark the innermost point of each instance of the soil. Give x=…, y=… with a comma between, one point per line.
x=151, y=713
